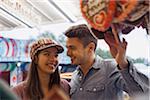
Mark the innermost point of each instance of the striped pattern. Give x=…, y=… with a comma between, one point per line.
x=43, y=44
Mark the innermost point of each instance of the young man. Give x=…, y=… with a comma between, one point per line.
x=98, y=79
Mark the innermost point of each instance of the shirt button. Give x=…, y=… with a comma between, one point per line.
x=80, y=78
x=131, y=71
x=81, y=89
x=103, y=87
x=94, y=89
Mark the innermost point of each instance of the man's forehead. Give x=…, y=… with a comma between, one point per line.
x=73, y=42
x=74, y=39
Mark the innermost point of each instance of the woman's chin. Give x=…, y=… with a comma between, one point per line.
x=52, y=71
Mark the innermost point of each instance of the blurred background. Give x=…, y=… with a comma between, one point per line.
x=23, y=21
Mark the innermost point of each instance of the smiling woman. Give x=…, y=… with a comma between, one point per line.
x=43, y=74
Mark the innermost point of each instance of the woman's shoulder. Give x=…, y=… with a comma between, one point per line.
x=63, y=81
x=19, y=88
x=20, y=85
x=65, y=85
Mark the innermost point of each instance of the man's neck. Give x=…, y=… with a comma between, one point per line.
x=87, y=66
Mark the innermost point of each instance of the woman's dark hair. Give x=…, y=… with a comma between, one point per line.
x=83, y=33
x=33, y=84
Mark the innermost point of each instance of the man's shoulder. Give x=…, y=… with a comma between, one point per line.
x=107, y=66
x=110, y=62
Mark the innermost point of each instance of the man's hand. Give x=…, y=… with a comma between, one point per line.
x=118, y=51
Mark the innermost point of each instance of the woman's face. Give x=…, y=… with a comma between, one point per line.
x=48, y=60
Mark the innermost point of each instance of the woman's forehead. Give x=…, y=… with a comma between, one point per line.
x=50, y=49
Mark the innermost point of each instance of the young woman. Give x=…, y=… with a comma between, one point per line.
x=43, y=73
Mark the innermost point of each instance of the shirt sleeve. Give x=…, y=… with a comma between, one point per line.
x=135, y=81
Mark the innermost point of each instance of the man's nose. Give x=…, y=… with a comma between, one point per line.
x=68, y=52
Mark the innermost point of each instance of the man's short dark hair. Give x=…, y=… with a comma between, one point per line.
x=82, y=32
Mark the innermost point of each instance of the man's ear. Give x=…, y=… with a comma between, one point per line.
x=91, y=46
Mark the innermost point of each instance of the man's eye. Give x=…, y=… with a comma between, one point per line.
x=73, y=48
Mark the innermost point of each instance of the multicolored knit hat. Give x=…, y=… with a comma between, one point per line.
x=43, y=44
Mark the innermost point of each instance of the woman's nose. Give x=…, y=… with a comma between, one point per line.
x=52, y=57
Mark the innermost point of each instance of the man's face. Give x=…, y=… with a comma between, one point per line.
x=76, y=51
